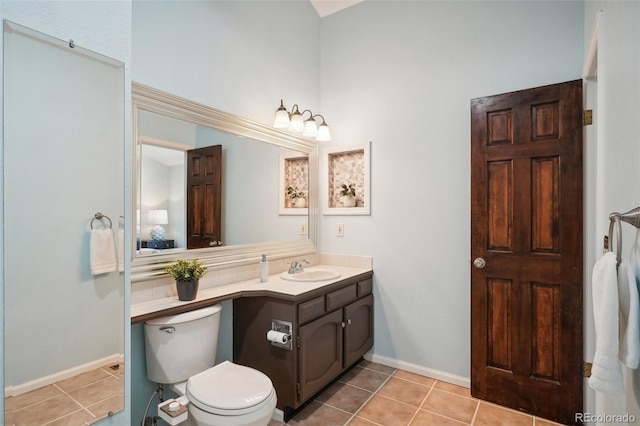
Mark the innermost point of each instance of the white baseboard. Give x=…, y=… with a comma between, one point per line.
x=56, y=377
x=418, y=369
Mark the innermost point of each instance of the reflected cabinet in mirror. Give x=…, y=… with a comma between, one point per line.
x=209, y=185
x=63, y=163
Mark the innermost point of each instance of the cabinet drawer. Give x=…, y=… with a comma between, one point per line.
x=310, y=309
x=365, y=287
x=341, y=297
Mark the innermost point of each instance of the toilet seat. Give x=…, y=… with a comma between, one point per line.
x=229, y=389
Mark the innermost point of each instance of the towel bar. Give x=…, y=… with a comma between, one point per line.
x=632, y=217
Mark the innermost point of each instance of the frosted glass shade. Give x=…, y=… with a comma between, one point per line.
x=323, y=133
x=310, y=128
x=282, y=119
x=297, y=125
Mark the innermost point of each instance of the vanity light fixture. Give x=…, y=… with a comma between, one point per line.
x=295, y=123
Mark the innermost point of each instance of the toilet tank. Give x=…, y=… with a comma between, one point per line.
x=179, y=346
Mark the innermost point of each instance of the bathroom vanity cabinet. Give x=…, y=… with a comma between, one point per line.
x=331, y=329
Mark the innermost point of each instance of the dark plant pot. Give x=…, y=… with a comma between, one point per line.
x=187, y=290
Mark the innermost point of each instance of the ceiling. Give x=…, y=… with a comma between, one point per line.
x=327, y=7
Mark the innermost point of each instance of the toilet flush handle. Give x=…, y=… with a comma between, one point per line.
x=168, y=329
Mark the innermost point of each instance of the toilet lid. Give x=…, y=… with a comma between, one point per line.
x=228, y=386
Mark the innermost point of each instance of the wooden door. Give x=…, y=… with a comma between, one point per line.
x=320, y=354
x=358, y=331
x=526, y=239
x=204, y=197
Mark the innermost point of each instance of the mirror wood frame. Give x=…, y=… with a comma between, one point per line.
x=166, y=104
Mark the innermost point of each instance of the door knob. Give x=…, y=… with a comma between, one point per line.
x=479, y=263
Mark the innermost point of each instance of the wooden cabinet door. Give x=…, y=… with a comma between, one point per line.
x=358, y=331
x=204, y=197
x=320, y=354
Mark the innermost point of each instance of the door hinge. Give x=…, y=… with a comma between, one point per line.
x=298, y=342
x=587, y=369
x=298, y=388
x=587, y=117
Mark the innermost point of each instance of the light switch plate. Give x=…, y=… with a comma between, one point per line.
x=340, y=230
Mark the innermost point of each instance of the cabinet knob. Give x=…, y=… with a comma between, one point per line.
x=343, y=324
x=349, y=321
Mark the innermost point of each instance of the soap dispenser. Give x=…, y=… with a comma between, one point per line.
x=264, y=269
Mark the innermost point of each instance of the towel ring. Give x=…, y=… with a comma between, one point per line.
x=100, y=216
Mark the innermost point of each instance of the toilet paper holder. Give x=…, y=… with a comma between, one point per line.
x=282, y=327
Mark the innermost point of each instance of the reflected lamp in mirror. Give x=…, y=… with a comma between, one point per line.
x=157, y=218
x=295, y=122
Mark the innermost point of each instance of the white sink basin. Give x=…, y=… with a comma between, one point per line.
x=311, y=275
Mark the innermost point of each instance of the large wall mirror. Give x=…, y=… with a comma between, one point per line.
x=64, y=317
x=168, y=130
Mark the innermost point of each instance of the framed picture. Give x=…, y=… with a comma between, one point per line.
x=347, y=174
x=293, y=188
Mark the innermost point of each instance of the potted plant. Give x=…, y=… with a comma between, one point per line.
x=348, y=194
x=187, y=274
x=297, y=197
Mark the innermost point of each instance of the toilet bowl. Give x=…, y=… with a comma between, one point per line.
x=180, y=352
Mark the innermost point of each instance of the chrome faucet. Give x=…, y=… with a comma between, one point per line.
x=297, y=266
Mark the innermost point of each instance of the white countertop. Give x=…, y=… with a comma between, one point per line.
x=275, y=284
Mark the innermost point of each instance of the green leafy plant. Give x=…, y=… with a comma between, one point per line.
x=294, y=193
x=348, y=190
x=185, y=270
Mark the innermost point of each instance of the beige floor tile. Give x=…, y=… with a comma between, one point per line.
x=537, y=421
x=344, y=397
x=44, y=412
x=29, y=398
x=116, y=370
x=458, y=390
x=404, y=391
x=416, y=378
x=359, y=421
x=387, y=412
x=98, y=391
x=377, y=367
x=450, y=405
x=111, y=405
x=77, y=418
x=427, y=418
x=494, y=415
x=81, y=380
x=317, y=414
x=364, y=378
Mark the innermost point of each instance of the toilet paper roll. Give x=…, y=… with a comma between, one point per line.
x=277, y=337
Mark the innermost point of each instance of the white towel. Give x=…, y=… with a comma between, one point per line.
x=629, y=326
x=606, y=373
x=121, y=250
x=102, y=251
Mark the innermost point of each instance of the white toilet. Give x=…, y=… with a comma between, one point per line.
x=181, y=351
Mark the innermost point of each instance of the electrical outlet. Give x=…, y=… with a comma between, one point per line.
x=303, y=229
x=340, y=230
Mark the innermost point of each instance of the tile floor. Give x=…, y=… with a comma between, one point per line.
x=374, y=394
x=79, y=400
